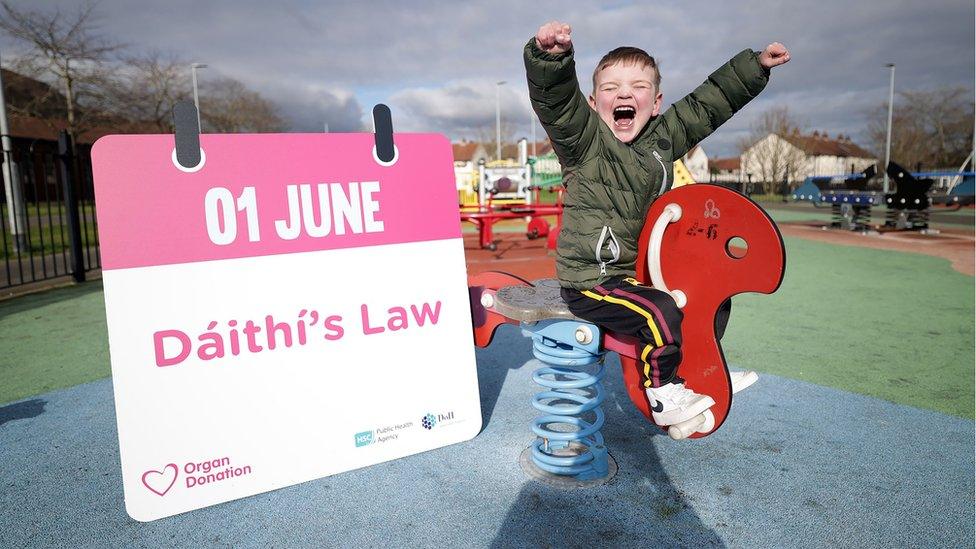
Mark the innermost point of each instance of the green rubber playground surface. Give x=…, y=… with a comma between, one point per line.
x=51, y=340
x=791, y=216
x=791, y=212
x=892, y=325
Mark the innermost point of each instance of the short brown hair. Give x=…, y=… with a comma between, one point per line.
x=628, y=54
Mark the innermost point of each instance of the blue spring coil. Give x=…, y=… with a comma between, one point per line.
x=568, y=379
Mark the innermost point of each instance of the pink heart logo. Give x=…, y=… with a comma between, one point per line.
x=159, y=482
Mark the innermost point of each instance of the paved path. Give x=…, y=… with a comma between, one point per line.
x=787, y=470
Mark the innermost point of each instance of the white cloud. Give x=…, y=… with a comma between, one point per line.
x=435, y=61
x=310, y=106
x=463, y=108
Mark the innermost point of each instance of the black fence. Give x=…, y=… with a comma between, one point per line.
x=47, y=213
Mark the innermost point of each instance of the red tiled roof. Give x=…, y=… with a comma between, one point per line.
x=509, y=151
x=821, y=145
x=725, y=164
x=541, y=147
x=463, y=152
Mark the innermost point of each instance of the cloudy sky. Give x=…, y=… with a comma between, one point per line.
x=436, y=62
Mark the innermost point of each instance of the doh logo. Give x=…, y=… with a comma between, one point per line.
x=364, y=439
x=430, y=420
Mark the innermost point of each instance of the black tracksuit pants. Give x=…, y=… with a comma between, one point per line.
x=624, y=306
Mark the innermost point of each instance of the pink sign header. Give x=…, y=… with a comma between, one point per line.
x=267, y=194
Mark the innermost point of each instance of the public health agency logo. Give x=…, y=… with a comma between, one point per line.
x=429, y=421
x=364, y=439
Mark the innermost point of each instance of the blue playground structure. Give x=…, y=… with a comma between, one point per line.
x=851, y=196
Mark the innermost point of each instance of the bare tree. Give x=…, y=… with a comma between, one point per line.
x=66, y=51
x=227, y=106
x=767, y=153
x=487, y=135
x=931, y=127
x=147, y=87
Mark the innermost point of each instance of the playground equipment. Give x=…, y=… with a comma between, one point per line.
x=572, y=373
x=508, y=192
x=682, y=176
x=702, y=244
x=848, y=195
x=908, y=206
x=852, y=196
x=505, y=190
x=506, y=180
x=955, y=189
x=961, y=190
x=501, y=181
x=484, y=218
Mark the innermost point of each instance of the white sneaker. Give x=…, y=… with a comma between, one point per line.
x=742, y=380
x=674, y=403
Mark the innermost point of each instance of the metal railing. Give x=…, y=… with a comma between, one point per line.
x=47, y=214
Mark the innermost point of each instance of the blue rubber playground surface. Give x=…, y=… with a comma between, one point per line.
x=790, y=468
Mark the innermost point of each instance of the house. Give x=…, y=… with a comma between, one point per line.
x=540, y=148
x=795, y=156
x=725, y=170
x=510, y=152
x=696, y=161
x=34, y=138
x=468, y=153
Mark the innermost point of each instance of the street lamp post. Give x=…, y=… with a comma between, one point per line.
x=532, y=128
x=498, y=120
x=196, y=96
x=891, y=104
x=11, y=182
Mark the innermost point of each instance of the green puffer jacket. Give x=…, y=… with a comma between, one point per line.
x=610, y=184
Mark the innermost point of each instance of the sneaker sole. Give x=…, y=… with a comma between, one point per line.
x=671, y=417
x=702, y=423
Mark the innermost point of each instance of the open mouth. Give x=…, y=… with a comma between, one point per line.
x=623, y=116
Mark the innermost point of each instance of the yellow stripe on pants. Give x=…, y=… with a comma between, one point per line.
x=646, y=314
x=647, y=367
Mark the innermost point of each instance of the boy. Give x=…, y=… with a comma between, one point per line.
x=617, y=155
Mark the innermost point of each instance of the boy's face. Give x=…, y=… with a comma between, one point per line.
x=625, y=97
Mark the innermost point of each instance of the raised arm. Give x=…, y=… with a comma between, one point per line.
x=554, y=91
x=727, y=90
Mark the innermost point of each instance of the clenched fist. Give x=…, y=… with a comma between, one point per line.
x=554, y=37
x=774, y=55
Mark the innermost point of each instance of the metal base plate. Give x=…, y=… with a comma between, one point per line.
x=562, y=481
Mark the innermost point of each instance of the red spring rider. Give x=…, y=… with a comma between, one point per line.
x=704, y=244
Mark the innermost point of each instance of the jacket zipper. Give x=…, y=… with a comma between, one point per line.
x=664, y=186
x=614, y=249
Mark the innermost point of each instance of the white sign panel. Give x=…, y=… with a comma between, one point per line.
x=291, y=310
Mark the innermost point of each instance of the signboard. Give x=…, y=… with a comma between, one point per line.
x=288, y=309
